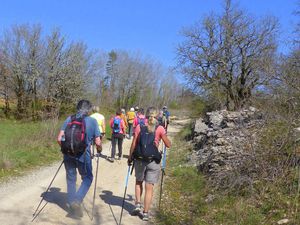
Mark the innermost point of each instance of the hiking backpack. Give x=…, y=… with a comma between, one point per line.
x=75, y=137
x=146, y=149
x=141, y=121
x=117, y=125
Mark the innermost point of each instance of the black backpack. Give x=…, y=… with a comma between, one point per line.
x=75, y=137
x=146, y=149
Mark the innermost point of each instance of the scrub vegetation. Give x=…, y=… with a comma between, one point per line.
x=189, y=198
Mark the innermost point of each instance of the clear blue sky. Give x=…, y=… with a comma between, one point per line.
x=149, y=26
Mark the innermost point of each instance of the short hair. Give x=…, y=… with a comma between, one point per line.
x=119, y=112
x=84, y=106
x=141, y=111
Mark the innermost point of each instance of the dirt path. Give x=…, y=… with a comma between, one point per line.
x=19, y=198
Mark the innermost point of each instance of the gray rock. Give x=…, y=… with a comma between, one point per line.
x=220, y=143
x=200, y=127
x=283, y=221
x=215, y=119
x=209, y=198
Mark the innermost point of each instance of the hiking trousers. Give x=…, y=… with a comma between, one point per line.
x=116, y=138
x=85, y=171
x=130, y=129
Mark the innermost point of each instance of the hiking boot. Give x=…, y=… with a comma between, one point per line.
x=137, y=210
x=112, y=159
x=76, y=209
x=120, y=157
x=145, y=216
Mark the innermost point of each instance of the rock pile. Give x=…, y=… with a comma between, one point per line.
x=224, y=139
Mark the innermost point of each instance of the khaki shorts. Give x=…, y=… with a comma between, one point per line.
x=148, y=172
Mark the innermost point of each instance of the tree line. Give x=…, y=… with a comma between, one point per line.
x=44, y=75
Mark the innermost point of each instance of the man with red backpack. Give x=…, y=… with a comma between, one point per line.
x=76, y=136
x=118, y=132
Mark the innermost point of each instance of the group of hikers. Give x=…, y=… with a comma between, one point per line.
x=82, y=133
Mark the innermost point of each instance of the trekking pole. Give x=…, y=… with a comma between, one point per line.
x=98, y=155
x=34, y=215
x=126, y=184
x=162, y=173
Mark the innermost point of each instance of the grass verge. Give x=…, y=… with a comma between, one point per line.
x=27, y=145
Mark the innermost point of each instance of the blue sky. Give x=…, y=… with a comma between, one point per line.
x=149, y=26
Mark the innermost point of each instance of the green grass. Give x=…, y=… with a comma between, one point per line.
x=25, y=145
x=186, y=191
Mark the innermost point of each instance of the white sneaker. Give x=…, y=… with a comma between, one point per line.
x=145, y=216
x=137, y=210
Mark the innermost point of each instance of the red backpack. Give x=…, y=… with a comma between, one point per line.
x=75, y=137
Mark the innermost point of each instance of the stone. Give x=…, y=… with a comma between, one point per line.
x=221, y=141
x=252, y=109
x=216, y=119
x=209, y=198
x=200, y=127
x=283, y=221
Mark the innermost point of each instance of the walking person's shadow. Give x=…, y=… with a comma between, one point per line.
x=111, y=199
x=54, y=195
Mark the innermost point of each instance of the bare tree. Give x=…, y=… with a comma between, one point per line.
x=22, y=58
x=45, y=75
x=230, y=54
x=54, y=61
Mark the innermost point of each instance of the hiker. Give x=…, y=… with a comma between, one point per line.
x=140, y=119
x=130, y=119
x=77, y=154
x=144, y=150
x=161, y=118
x=123, y=116
x=166, y=114
x=136, y=109
x=100, y=120
x=118, y=131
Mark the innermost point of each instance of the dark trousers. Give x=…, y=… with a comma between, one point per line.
x=130, y=129
x=116, y=138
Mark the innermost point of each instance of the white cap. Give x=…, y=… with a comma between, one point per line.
x=132, y=109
